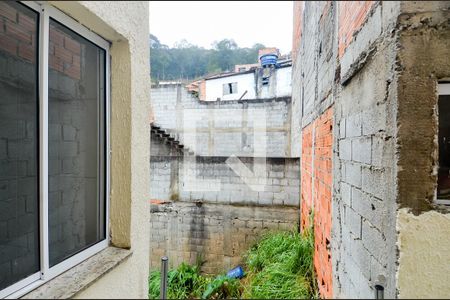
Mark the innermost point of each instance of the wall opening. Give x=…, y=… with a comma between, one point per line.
x=443, y=184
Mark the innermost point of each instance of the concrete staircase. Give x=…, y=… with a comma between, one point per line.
x=171, y=138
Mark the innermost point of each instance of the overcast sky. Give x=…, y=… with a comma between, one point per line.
x=201, y=22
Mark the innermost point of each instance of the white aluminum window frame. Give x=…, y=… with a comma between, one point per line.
x=46, y=272
x=443, y=90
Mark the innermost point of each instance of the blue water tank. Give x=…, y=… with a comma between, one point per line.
x=268, y=59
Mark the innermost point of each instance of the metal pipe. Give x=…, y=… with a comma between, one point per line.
x=379, y=291
x=164, y=268
x=243, y=95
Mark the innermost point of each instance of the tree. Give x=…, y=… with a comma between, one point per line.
x=189, y=61
x=224, y=54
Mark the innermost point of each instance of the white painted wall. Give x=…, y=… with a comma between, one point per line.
x=284, y=82
x=214, y=87
x=280, y=86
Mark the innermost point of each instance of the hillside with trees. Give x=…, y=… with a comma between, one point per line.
x=186, y=61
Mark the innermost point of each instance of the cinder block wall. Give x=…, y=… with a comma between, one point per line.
x=235, y=216
x=374, y=66
x=343, y=89
x=216, y=234
x=218, y=225
x=222, y=128
x=281, y=183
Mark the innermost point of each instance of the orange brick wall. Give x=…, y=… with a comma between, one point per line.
x=18, y=37
x=17, y=33
x=202, y=90
x=64, y=53
x=323, y=131
x=316, y=185
x=297, y=32
x=351, y=16
x=306, y=176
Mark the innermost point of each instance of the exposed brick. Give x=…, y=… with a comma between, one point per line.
x=63, y=54
x=18, y=33
x=298, y=11
x=73, y=71
x=27, y=52
x=76, y=61
x=7, y=11
x=56, y=37
x=8, y=44
x=27, y=23
x=306, y=176
x=316, y=192
x=72, y=45
x=55, y=63
x=351, y=16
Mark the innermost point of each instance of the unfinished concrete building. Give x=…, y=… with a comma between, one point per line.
x=201, y=207
x=370, y=111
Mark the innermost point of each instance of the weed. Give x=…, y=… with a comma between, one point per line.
x=222, y=287
x=185, y=282
x=280, y=266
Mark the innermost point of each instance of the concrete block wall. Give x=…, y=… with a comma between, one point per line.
x=366, y=206
x=379, y=74
x=223, y=128
x=215, y=234
x=342, y=82
x=218, y=224
x=364, y=175
x=280, y=182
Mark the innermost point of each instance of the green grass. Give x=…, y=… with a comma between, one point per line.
x=185, y=282
x=279, y=266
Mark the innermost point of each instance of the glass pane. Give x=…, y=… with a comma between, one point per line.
x=76, y=143
x=19, y=213
x=444, y=148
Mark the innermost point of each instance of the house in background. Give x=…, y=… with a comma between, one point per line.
x=192, y=140
x=270, y=78
x=74, y=147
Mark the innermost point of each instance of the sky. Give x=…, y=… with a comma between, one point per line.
x=203, y=22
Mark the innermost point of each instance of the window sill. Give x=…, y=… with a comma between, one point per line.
x=80, y=277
